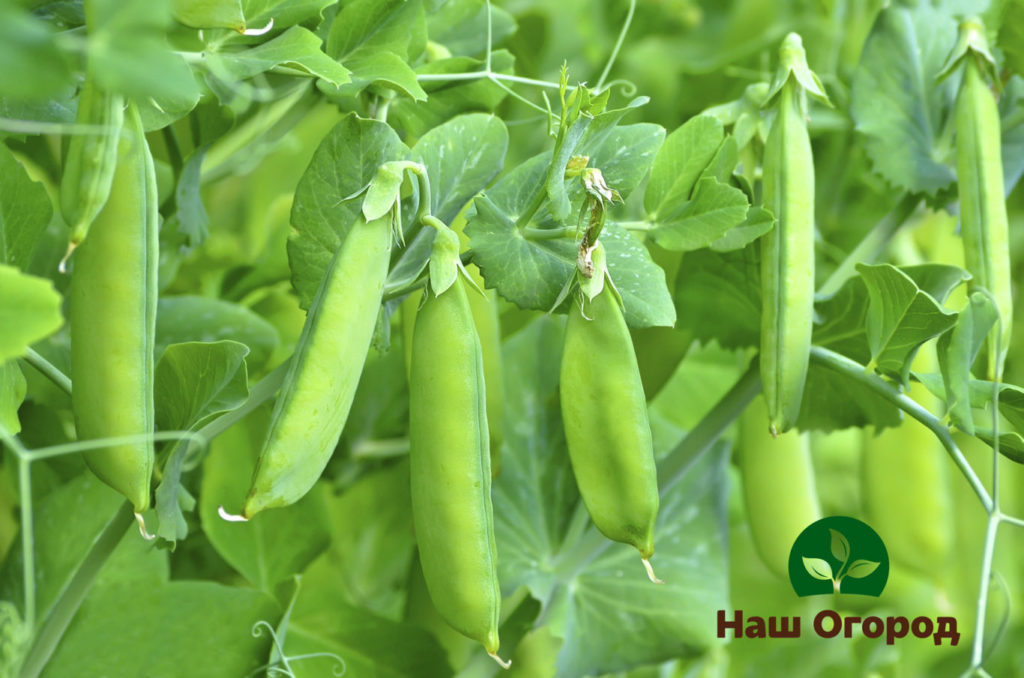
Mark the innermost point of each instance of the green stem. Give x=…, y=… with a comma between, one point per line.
x=259, y=394
x=871, y=247
x=48, y=370
x=618, y=45
x=27, y=541
x=854, y=370
x=478, y=75
x=64, y=609
x=978, y=645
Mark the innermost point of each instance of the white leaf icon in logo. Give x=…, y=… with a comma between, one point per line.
x=861, y=568
x=818, y=568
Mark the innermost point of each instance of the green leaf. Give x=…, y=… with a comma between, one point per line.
x=718, y=297
x=758, y=222
x=896, y=102
x=586, y=131
x=840, y=402
x=209, y=13
x=64, y=535
x=325, y=621
x=344, y=163
x=714, y=210
x=193, y=222
x=901, y=316
x=36, y=66
x=140, y=630
x=1011, y=35
x=379, y=68
x=1011, y=445
x=532, y=272
x=274, y=545
x=818, y=568
x=25, y=211
x=365, y=27
x=29, y=311
x=957, y=350
x=617, y=618
x=680, y=161
x=188, y=318
x=12, y=395
x=195, y=382
x=446, y=99
x=461, y=26
x=839, y=546
x=297, y=47
x=462, y=156
x=284, y=12
x=127, y=46
x=843, y=318
x=861, y=568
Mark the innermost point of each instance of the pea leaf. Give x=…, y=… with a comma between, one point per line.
x=445, y=99
x=896, y=102
x=297, y=47
x=1011, y=35
x=462, y=156
x=27, y=48
x=209, y=13
x=679, y=164
x=29, y=311
x=839, y=402
x=186, y=318
x=284, y=12
x=274, y=545
x=901, y=315
x=706, y=219
x=957, y=350
x=343, y=164
x=461, y=26
x=718, y=297
x=532, y=272
x=12, y=394
x=25, y=211
x=117, y=633
x=195, y=382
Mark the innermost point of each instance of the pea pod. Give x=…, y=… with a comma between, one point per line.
x=778, y=486
x=905, y=486
x=787, y=251
x=450, y=467
x=983, y=219
x=488, y=328
x=317, y=393
x=607, y=430
x=113, y=321
x=91, y=160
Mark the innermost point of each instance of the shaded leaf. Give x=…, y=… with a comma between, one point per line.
x=25, y=211
x=29, y=311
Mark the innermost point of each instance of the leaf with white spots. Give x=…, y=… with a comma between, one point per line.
x=531, y=272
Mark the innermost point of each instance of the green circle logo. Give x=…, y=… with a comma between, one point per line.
x=838, y=554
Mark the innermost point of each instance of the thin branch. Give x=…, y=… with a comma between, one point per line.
x=48, y=370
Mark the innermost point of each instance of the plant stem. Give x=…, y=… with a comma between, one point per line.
x=259, y=394
x=48, y=370
x=871, y=247
x=854, y=370
x=618, y=45
x=986, y=576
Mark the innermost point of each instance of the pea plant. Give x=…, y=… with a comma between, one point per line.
x=472, y=338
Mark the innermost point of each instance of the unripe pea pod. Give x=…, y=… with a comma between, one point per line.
x=778, y=486
x=488, y=328
x=317, y=393
x=91, y=160
x=787, y=251
x=983, y=218
x=905, y=485
x=449, y=465
x=607, y=430
x=113, y=321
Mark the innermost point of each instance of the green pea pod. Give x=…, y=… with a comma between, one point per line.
x=317, y=393
x=778, y=486
x=91, y=160
x=113, y=321
x=905, y=486
x=787, y=251
x=450, y=467
x=607, y=430
x=983, y=219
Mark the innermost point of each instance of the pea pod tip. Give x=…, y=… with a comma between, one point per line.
x=230, y=517
x=650, y=571
x=142, y=527
x=503, y=663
